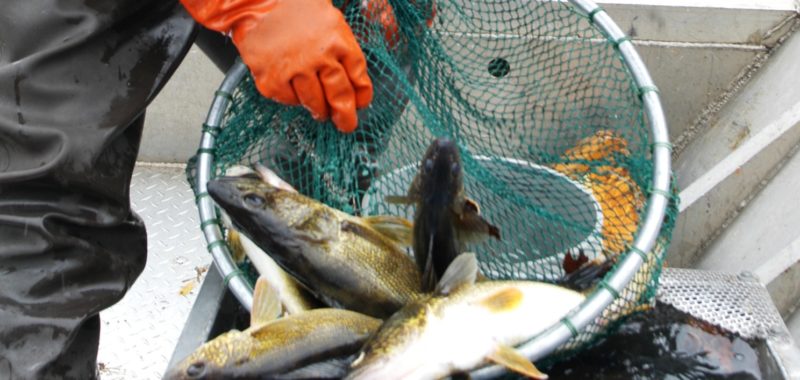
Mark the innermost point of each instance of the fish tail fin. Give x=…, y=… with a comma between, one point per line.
x=270, y=177
x=586, y=276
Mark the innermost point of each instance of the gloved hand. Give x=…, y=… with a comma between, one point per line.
x=299, y=51
x=380, y=11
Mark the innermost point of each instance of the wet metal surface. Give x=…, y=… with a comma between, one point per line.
x=666, y=343
x=738, y=303
x=140, y=332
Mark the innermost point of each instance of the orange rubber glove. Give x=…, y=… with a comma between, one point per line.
x=299, y=51
x=380, y=11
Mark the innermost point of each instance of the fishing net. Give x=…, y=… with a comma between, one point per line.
x=549, y=121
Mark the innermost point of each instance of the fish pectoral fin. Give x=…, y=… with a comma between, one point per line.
x=266, y=303
x=470, y=205
x=509, y=357
x=234, y=240
x=398, y=199
x=474, y=227
x=462, y=271
x=397, y=229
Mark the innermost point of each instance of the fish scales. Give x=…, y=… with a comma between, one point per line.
x=339, y=258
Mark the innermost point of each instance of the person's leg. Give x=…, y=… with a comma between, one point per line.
x=74, y=82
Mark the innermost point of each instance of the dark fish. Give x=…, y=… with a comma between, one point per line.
x=445, y=219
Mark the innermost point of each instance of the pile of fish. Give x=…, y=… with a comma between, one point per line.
x=339, y=297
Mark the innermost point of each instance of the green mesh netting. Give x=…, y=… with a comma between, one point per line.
x=549, y=121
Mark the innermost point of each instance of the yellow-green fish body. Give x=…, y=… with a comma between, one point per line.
x=272, y=348
x=345, y=261
x=463, y=327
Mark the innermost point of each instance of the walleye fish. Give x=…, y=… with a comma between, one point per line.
x=463, y=326
x=293, y=297
x=315, y=344
x=445, y=220
x=345, y=261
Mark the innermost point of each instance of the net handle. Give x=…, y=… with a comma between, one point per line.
x=658, y=200
x=209, y=218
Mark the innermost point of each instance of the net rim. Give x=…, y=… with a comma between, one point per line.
x=575, y=321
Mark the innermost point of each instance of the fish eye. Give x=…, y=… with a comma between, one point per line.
x=455, y=168
x=428, y=167
x=196, y=370
x=254, y=200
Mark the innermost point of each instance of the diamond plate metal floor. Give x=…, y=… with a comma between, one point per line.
x=140, y=332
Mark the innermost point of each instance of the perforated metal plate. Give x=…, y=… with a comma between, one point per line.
x=739, y=303
x=139, y=333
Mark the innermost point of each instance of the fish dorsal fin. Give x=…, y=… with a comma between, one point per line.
x=462, y=271
x=509, y=357
x=398, y=230
x=266, y=303
x=502, y=300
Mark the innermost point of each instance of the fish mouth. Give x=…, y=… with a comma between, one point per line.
x=444, y=152
x=444, y=143
x=445, y=158
x=230, y=192
x=224, y=191
x=441, y=173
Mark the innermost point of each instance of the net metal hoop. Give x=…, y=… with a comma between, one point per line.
x=577, y=320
